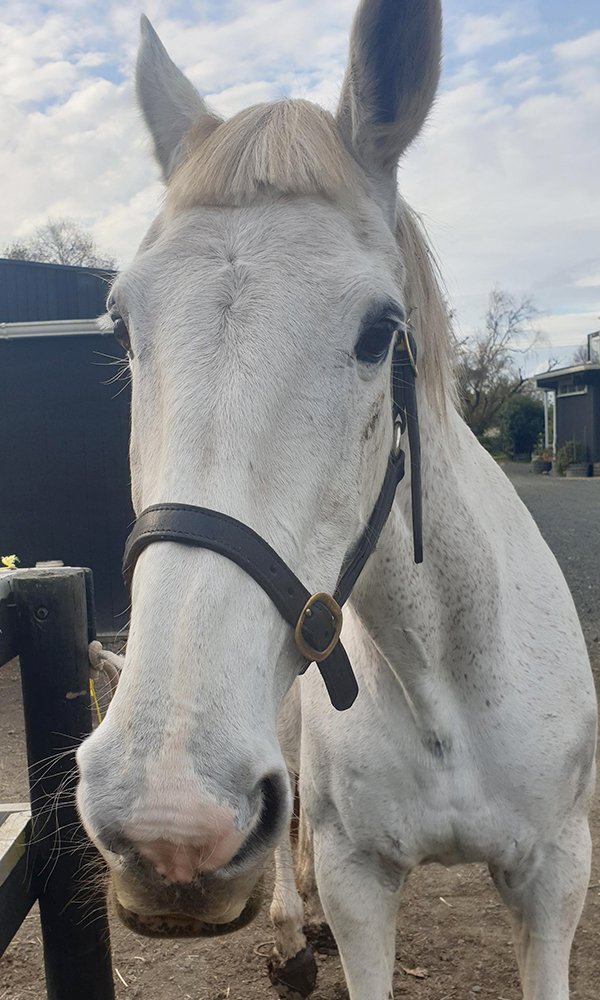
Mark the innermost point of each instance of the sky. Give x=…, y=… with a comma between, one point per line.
x=506, y=174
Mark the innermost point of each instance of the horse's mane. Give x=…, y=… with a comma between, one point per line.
x=430, y=319
x=294, y=147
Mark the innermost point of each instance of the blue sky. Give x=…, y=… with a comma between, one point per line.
x=505, y=174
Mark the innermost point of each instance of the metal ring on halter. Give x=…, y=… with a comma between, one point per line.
x=397, y=442
x=318, y=655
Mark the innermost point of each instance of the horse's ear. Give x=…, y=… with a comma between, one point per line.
x=391, y=80
x=169, y=102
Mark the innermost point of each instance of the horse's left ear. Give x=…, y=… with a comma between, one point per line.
x=391, y=80
x=171, y=105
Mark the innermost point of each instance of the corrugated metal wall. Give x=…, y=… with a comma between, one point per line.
x=31, y=292
x=64, y=482
x=578, y=420
x=64, y=470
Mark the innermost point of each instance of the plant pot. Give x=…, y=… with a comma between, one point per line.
x=539, y=465
x=578, y=470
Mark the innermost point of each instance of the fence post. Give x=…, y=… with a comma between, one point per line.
x=53, y=637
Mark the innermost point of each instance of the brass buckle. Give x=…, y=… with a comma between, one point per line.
x=317, y=655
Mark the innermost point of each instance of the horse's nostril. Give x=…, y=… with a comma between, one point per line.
x=273, y=793
x=113, y=841
x=271, y=807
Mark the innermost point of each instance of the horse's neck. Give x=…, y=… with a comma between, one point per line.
x=419, y=614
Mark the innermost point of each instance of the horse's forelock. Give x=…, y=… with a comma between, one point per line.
x=290, y=146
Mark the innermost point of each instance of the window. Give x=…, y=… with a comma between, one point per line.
x=571, y=389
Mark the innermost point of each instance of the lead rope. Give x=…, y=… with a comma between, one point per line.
x=105, y=671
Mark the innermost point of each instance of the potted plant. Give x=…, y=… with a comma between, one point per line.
x=542, y=463
x=541, y=458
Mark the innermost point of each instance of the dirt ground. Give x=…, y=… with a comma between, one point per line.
x=453, y=935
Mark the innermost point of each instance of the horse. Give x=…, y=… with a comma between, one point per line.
x=262, y=316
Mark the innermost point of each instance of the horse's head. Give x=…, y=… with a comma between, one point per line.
x=260, y=315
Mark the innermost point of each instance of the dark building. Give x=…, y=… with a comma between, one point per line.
x=64, y=490
x=32, y=292
x=577, y=403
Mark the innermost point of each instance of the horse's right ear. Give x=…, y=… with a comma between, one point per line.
x=390, y=83
x=171, y=105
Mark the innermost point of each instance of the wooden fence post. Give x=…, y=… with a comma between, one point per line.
x=53, y=638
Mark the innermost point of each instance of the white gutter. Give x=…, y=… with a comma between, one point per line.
x=55, y=328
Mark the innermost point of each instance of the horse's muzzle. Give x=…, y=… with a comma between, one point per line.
x=185, y=925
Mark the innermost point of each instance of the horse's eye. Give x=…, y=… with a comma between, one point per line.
x=120, y=331
x=374, y=343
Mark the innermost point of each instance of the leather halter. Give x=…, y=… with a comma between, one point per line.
x=316, y=619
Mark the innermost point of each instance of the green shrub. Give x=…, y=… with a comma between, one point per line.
x=493, y=443
x=521, y=421
x=571, y=453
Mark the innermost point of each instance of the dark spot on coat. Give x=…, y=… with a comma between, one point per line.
x=440, y=748
x=374, y=417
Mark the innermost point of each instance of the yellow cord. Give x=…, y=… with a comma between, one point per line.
x=95, y=701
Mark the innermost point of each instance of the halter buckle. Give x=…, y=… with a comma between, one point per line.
x=318, y=655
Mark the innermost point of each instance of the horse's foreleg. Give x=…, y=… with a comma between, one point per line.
x=361, y=911
x=293, y=971
x=545, y=900
x=306, y=878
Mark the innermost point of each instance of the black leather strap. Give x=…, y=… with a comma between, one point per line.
x=405, y=400
x=199, y=526
x=209, y=529
x=319, y=626
x=356, y=560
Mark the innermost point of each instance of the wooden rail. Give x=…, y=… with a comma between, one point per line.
x=46, y=617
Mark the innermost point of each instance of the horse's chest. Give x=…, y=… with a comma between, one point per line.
x=423, y=804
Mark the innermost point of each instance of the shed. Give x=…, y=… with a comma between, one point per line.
x=31, y=291
x=64, y=448
x=576, y=392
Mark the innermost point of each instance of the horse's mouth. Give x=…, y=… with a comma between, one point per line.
x=184, y=925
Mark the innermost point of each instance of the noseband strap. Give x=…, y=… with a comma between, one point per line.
x=316, y=619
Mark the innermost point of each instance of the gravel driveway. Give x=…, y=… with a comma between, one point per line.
x=567, y=512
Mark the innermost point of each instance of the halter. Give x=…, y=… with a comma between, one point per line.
x=317, y=618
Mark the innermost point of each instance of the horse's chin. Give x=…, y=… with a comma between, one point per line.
x=173, y=924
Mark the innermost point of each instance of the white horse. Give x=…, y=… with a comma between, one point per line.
x=261, y=310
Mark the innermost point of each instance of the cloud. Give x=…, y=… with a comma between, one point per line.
x=590, y=281
x=520, y=74
x=569, y=330
x=507, y=180
x=585, y=47
x=70, y=135
x=480, y=31
x=231, y=100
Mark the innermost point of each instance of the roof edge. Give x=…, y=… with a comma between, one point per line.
x=86, y=268
x=589, y=366
x=52, y=328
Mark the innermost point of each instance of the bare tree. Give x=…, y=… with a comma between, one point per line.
x=489, y=374
x=60, y=241
x=580, y=355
